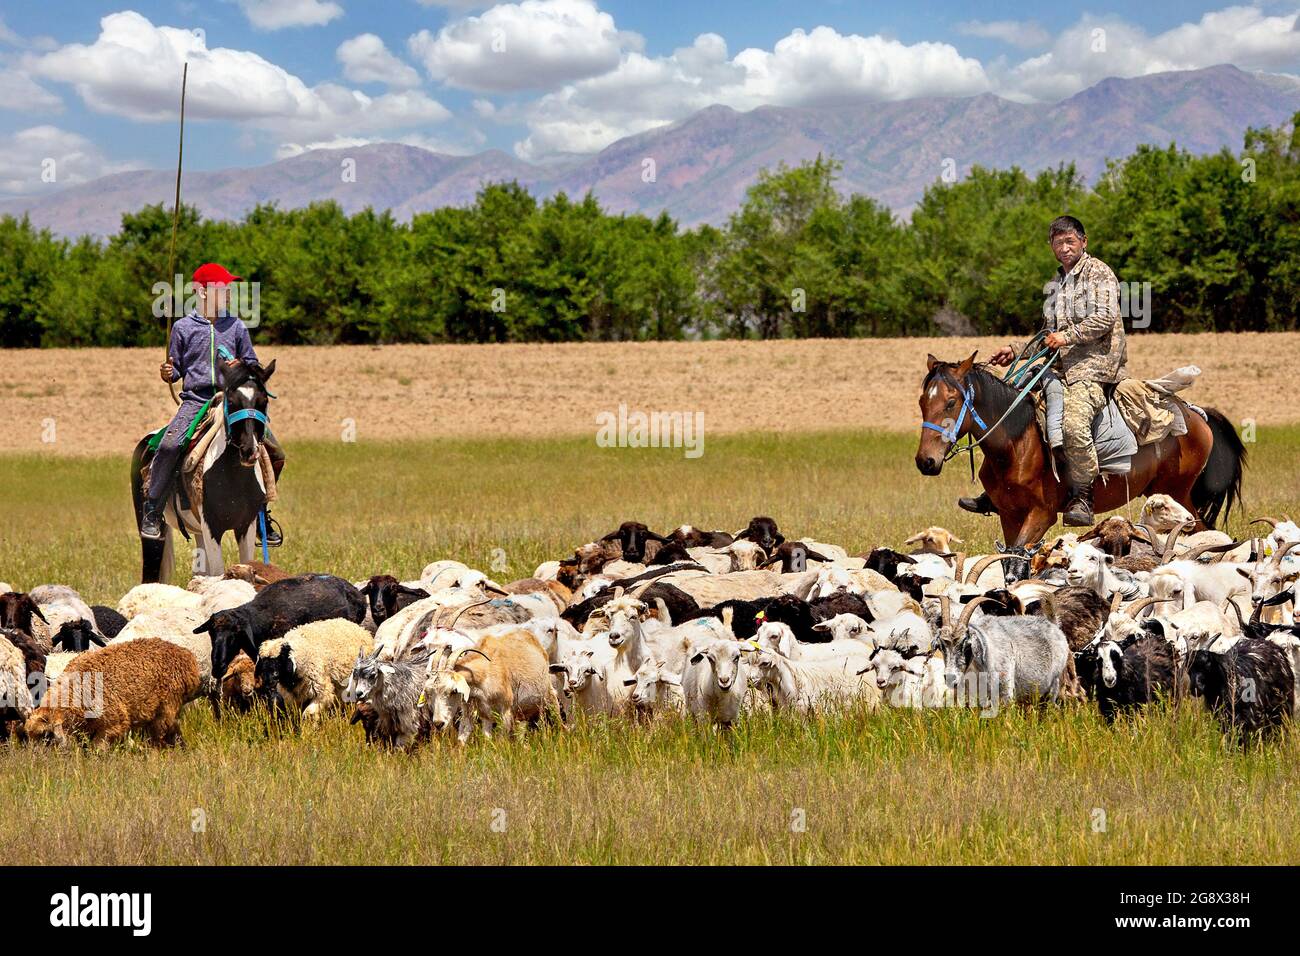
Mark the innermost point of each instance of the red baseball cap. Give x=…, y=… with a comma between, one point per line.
x=210, y=273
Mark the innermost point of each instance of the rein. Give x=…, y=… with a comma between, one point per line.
x=1013, y=376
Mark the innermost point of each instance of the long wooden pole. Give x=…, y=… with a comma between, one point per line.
x=176, y=218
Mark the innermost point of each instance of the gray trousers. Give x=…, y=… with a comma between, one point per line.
x=166, y=461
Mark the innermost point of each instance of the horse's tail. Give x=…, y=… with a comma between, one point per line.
x=1219, y=486
x=151, y=551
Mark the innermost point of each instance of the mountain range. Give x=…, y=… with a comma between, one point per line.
x=704, y=163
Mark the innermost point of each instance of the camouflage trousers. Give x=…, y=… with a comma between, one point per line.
x=1083, y=400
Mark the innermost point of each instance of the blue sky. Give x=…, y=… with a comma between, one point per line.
x=93, y=84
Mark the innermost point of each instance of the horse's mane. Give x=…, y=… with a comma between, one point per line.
x=992, y=394
x=237, y=375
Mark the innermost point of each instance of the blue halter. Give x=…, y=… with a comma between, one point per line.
x=967, y=407
x=243, y=413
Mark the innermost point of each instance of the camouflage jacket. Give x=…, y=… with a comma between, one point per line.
x=1083, y=304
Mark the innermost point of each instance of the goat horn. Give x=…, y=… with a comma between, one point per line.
x=970, y=609
x=1133, y=609
x=958, y=562
x=1281, y=553
x=1143, y=533
x=945, y=610
x=978, y=568
x=1272, y=522
x=1178, y=529
x=469, y=650
x=452, y=625
x=1193, y=553
x=1116, y=600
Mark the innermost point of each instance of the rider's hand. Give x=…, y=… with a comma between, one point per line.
x=166, y=370
x=1003, y=356
x=1056, y=340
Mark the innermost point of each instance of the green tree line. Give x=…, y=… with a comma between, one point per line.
x=1216, y=237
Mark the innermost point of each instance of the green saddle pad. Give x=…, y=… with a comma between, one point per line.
x=155, y=438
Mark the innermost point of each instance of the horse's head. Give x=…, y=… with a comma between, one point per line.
x=244, y=385
x=942, y=394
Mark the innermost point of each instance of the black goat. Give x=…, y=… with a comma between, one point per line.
x=1249, y=687
x=387, y=596
x=1132, y=673
x=886, y=562
x=17, y=610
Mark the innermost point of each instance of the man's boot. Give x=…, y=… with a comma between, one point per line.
x=982, y=505
x=274, y=534
x=151, y=520
x=1078, y=510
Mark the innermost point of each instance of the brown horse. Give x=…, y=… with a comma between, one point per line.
x=1200, y=470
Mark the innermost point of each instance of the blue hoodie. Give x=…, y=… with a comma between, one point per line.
x=194, y=351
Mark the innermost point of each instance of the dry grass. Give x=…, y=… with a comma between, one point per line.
x=469, y=391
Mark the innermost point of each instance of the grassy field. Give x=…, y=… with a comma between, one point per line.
x=936, y=787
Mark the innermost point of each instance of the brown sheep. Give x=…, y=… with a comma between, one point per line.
x=107, y=692
x=559, y=593
x=238, y=687
x=256, y=573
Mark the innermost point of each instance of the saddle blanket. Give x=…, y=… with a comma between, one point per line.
x=1141, y=412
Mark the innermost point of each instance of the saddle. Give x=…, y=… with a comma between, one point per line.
x=1139, y=412
x=203, y=443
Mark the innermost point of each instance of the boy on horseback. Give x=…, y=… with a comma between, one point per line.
x=1081, y=315
x=200, y=340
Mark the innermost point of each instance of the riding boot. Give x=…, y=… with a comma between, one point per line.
x=151, y=520
x=274, y=534
x=1078, y=511
x=981, y=505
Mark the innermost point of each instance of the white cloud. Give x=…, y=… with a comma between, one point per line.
x=365, y=59
x=1096, y=48
x=25, y=157
x=535, y=44
x=818, y=68
x=20, y=93
x=1022, y=33
x=278, y=14
x=133, y=70
x=432, y=143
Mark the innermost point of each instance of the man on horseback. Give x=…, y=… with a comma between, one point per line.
x=1081, y=315
x=199, y=340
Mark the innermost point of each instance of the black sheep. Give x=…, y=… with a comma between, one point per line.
x=841, y=602
x=886, y=562
x=688, y=537
x=633, y=537
x=794, y=557
x=763, y=532
x=77, y=636
x=107, y=620
x=1249, y=687
x=17, y=610
x=277, y=609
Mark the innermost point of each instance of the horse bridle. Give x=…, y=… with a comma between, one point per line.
x=967, y=408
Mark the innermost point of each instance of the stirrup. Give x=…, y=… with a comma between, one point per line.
x=274, y=533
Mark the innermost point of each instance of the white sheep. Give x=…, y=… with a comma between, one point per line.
x=150, y=597
x=312, y=663
x=220, y=594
